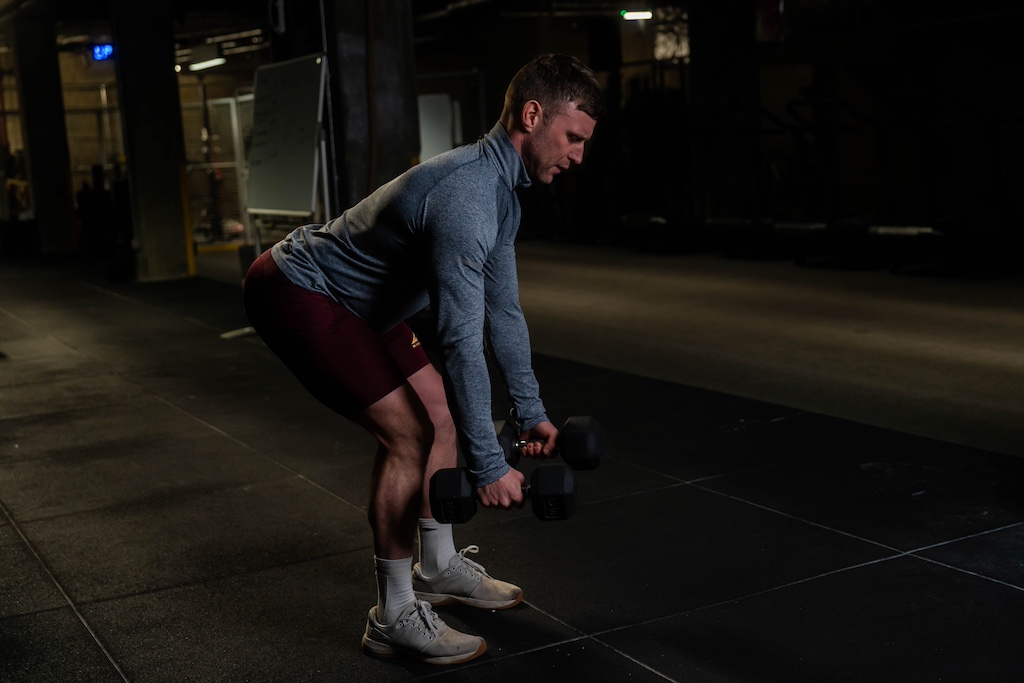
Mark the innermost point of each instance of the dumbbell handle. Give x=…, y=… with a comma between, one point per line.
x=550, y=504
x=520, y=444
x=526, y=488
x=553, y=495
x=581, y=443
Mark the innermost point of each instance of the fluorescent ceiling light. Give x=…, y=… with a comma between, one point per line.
x=637, y=15
x=205, y=57
x=209, y=63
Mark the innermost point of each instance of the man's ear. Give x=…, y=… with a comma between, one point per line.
x=532, y=115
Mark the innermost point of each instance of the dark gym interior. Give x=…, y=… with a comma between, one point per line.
x=784, y=281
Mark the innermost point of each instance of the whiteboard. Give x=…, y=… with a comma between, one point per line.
x=435, y=124
x=284, y=148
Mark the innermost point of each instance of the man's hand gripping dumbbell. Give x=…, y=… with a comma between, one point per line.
x=453, y=498
x=507, y=492
x=552, y=491
x=581, y=442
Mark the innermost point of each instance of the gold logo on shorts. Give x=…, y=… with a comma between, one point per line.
x=415, y=341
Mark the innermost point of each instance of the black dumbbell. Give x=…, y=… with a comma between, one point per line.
x=552, y=494
x=582, y=442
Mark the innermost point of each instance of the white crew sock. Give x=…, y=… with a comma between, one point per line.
x=394, y=587
x=437, y=546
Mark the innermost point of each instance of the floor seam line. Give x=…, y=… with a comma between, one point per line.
x=60, y=588
x=772, y=589
x=800, y=519
x=238, y=441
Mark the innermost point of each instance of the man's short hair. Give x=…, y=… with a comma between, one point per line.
x=554, y=80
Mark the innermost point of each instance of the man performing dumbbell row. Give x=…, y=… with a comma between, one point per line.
x=581, y=442
x=552, y=493
x=332, y=302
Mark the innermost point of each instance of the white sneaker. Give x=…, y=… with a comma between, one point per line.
x=418, y=633
x=465, y=582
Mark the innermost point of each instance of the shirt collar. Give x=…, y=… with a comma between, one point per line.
x=510, y=164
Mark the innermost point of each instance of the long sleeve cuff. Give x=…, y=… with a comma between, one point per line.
x=490, y=471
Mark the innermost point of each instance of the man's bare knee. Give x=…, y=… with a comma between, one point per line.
x=400, y=423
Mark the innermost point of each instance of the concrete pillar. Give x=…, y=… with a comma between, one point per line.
x=374, y=83
x=153, y=137
x=46, y=143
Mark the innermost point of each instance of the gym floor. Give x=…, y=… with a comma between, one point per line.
x=816, y=475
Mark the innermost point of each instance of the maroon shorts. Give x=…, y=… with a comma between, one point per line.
x=334, y=353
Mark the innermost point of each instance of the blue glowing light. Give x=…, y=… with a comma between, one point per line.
x=101, y=52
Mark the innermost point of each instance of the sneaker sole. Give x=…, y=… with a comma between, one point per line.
x=384, y=651
x=441, y=599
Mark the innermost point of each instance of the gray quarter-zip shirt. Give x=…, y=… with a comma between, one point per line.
x=442, y=235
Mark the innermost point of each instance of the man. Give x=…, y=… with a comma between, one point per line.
x=331, y=301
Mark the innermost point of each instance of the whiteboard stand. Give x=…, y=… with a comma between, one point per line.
x=288, y=153
x=325, y=192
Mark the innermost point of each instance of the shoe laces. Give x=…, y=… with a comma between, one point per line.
x=427, y=622
x=475, y=567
